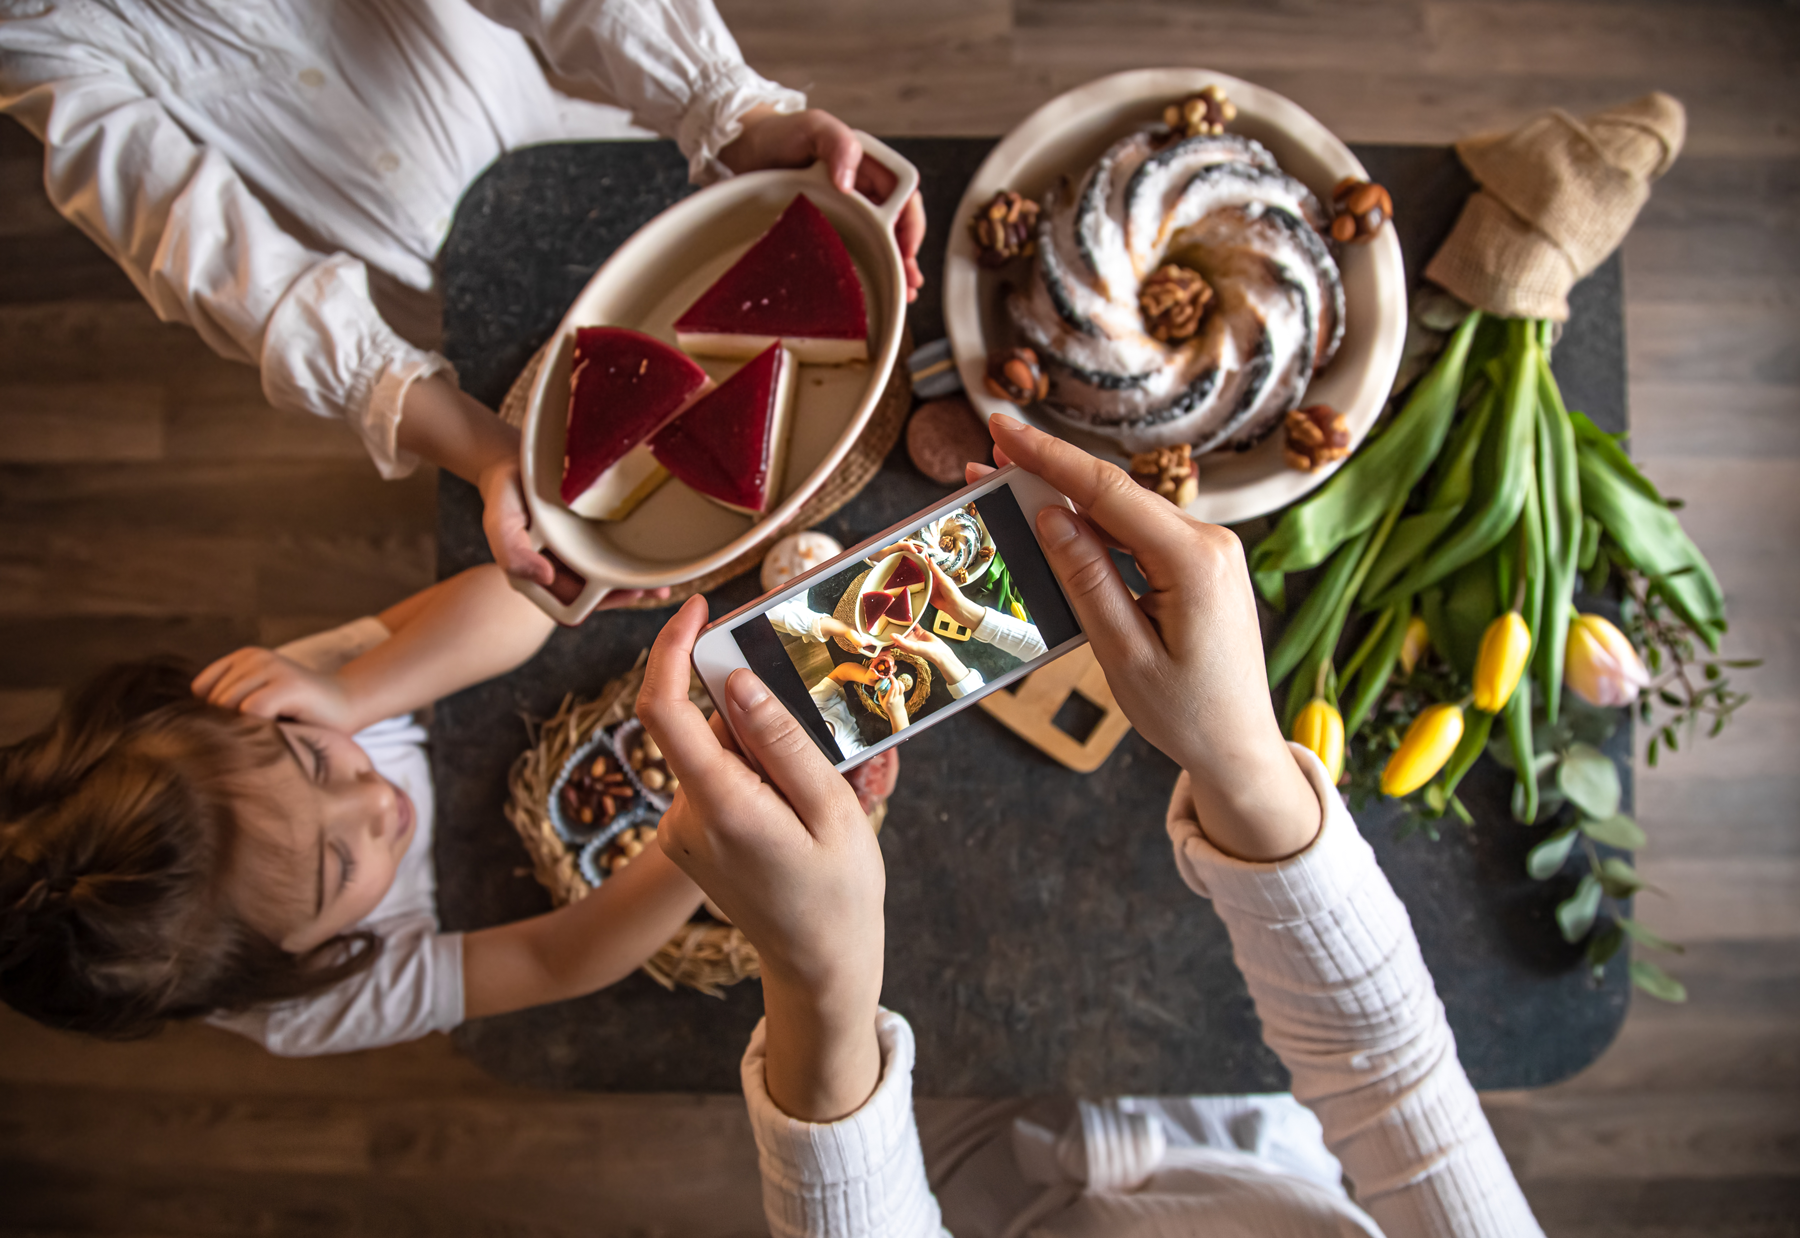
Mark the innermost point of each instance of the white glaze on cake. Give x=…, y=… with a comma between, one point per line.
x=1218, y=204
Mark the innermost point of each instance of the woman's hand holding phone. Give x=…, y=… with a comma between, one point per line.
x=793, y=863
x=1185, y=660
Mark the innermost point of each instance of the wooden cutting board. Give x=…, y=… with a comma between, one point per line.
x=1031, y=711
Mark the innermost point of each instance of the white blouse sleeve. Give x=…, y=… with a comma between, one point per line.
x=672, y=63
x=861, y=1176
x=203, y=250
x=1010, y=634
x=796, y=618
x=1346, y=1001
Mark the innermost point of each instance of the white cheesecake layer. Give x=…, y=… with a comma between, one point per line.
x=622, y=487
x=806, y=351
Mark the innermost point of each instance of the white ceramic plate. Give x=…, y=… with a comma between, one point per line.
x=877, y=579
x=1064, y=137
x=676, y=535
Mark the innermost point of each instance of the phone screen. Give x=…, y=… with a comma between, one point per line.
x=944, y=611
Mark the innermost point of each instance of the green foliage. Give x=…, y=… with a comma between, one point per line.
x=1484, y=492
x=1589, y=780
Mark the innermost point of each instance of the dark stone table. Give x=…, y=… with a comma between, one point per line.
x=1039, y=938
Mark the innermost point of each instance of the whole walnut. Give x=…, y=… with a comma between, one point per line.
x=1173, y=301
x=1170, y=471
x=1316, y=435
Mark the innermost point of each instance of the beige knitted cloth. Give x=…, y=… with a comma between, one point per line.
x=1557, y=196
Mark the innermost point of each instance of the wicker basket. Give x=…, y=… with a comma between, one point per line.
x=704, y=954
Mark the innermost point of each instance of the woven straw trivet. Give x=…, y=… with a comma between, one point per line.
x=703, y=954
x=857, y=470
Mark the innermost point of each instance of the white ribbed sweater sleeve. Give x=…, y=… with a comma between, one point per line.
x=863, y=1175
x=1345, y=1000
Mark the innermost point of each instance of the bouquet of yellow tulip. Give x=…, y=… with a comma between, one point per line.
x=1450, y=552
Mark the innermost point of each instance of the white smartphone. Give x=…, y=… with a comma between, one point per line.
x=909, y=627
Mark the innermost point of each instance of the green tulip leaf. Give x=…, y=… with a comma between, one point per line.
x=1546, y=859
x=1644, y=937
x=1657, y=982
x=1617, y=830
x=1590, y=780
x=1575, y=914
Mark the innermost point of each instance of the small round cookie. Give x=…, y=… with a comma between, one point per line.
x=944, y=435
x=795, y=554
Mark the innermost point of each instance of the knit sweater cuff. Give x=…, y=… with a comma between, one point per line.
x=1333, y=866
x=863, y=1174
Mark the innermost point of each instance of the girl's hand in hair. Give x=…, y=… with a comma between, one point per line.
x=792, y=861
x=264, y=684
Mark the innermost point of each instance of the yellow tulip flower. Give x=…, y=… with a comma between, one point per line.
x=1599, y=664
x=1505, y=649
x=1320, y=729
x=1429, y=741
x=1414, y=645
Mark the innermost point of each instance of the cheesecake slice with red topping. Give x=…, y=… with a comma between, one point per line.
x=624, y=386
x=796, y=284
x=906, y=574
x=731, y=444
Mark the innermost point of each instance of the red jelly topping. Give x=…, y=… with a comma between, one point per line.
x=623, y=387
x=900, y=609
x=796, y=282
x=725, y=445
x=906, y=574
x=874, y=606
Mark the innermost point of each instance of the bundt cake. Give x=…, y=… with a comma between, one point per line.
x=1216, y=203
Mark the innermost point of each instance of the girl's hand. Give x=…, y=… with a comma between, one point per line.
x=505, y=521
x=791, y=861
x=920, y=643
x=868, y=646
x=1185, y=660
x=894, y=703
x=264, y=684
x=774, y=139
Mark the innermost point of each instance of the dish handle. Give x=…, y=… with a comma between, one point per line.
x=571, y=598
x=906, y=176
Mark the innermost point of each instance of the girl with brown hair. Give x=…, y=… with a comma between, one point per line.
x=252, y=846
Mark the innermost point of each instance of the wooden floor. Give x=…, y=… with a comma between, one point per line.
x=148, y=500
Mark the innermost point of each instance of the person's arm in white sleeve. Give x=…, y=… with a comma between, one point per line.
x=861, y=1175
x=673, y=64
x=1324, y=944
x=1010, y=634
x=204, y=251
x=796, y=618
x=1345, y=1000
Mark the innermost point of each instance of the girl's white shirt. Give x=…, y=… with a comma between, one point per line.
x=251, y=165
x=415, y=985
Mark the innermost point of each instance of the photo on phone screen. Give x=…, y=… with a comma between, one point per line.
x=930, y=617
